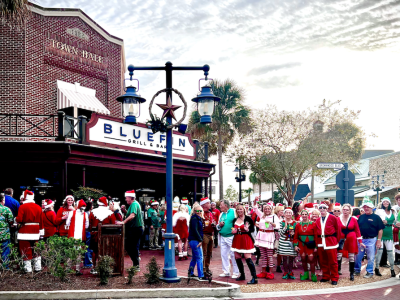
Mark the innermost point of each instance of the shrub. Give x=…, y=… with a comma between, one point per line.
x=60, y=254
x=153, y=269
x=14, y=264
x=132, y=271
x=105, y=268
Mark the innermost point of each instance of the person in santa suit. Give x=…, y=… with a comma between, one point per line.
x=62, y=215
x=78, y=222
x=327, y=235
x=49, y=219
x=352, y=238
x=337, y=209
x=101, y=215
x=180, y=223
x=30, y=217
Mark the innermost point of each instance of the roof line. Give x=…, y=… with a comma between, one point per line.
x=75, y=12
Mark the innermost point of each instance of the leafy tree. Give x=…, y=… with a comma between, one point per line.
x=284, y=146
x=230, y=117
x=231, y=194
x=14, y=13
x=246, y=193
x=88, y=193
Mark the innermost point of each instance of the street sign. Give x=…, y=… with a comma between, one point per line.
x=340, y=197
x=323, y=165
x=340, y=182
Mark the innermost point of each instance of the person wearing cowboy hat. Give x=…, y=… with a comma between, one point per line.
x=327, y=235
x=155, y=226
x=388, y=216
x=371, y=228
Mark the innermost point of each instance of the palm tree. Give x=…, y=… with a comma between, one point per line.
x=14, y=13
x=230, y=116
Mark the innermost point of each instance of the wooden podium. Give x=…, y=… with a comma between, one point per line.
x=111, y=243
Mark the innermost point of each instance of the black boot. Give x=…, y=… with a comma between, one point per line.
x=393, y=274
x=267, y=269
x=241, y=269
x=397, y=259
x=339, y=266
x=278, y=269
x=253, y=272
x=351, y=268
x=377, y=273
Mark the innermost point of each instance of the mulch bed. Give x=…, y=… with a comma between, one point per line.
x=44, y=282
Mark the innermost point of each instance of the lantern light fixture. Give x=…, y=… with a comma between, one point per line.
x=206, y=102
x=131, y=100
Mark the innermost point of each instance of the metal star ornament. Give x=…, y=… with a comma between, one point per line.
x=168, y=108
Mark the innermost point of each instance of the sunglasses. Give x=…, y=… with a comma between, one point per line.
x=198, y=211
x=322, y=207
x=336, y=211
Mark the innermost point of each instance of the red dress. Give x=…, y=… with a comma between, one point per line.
x=353, y=233
x=304, y=232
x=181, y=228
x=242, y=243
x=62, y=228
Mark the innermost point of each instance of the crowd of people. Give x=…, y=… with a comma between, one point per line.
x=320, y=235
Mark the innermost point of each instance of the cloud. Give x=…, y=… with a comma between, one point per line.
x=271, y=68
x=276, y=82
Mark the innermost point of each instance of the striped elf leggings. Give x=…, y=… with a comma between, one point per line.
x=267, y=257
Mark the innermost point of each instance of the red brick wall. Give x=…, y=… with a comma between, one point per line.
x=29, y=68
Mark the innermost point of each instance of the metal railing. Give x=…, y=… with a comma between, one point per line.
x=19, y=125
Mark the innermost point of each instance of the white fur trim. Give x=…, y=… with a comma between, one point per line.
x=41, y=231
x=29, y=201
x=100, y=203
x=243, y=251
x=50, y=205
x=130, y=194
x=29, y=198
x=101, y=213
x=178, y=215
x=154, y=203
x=204, y=201
x=28, y=236
x=185, y=201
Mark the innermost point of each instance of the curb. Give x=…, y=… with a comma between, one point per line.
x=233, y=290
x=346, y=289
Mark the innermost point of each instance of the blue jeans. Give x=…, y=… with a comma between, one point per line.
x=197, y=258
x=88, y=254
x=5, y=252
x=370, y=249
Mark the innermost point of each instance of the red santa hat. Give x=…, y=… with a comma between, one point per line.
x=270, y=204
x=69, y=196
x=81, y=204
x=288, y=209
x=130, y=193
x=323, y=203
x=103, y=201
x=28, y=195
x=184, y=200
x=154, y=202
x=279, y=204
x=48, y=203
x=337, y=205
x=204, y=201
x=308, y=205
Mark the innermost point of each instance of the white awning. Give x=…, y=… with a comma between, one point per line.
x=371, y=193
x=75, y=95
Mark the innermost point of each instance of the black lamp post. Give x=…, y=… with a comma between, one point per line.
x=204, y=107
x=239, y=178
x=378, y=184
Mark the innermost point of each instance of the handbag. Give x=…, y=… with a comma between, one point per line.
x=341, y=244
x=310, y=244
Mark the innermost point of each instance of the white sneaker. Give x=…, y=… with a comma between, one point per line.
x=234, y=276
x=224, y=275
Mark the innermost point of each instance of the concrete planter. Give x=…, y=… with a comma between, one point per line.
x=231, y=290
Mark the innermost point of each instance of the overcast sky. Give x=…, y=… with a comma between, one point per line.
x=290, y=53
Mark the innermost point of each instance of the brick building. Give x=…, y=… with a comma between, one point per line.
x=61, y=72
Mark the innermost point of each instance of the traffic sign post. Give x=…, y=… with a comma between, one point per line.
x=323, y=165
x=345, y=179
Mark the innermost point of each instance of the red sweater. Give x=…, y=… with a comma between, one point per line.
x=31, y=219
x=62, y=230
x=209, y=230
x=49, y=223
